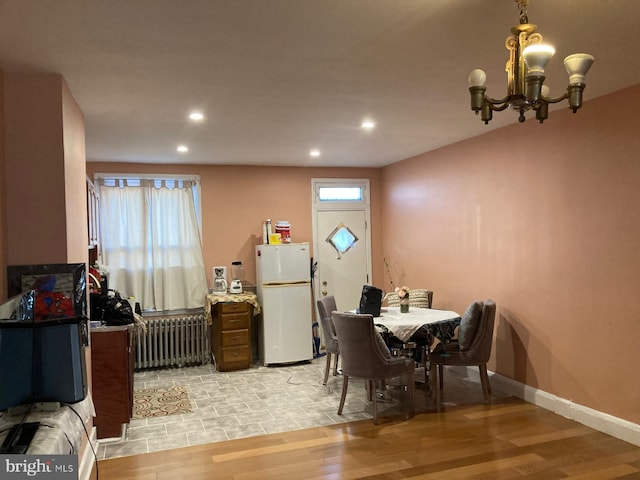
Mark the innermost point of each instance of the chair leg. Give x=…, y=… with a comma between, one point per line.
x=486, y=375
x=345, y=384
x=326, y=369
x=426, y=378
x=423, y=362
x=411, y=386
x=335, y=364
x=433, y=379
x=441, y=376
x=484, y=380
x=372, y=392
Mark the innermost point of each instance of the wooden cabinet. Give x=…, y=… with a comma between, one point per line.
x=112, y=361
x=231, y=335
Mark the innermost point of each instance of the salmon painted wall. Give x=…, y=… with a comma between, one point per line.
x=3, y=201
x=544, y=219
x=46, y=213
x=75, y=174
x=36, y=216
x=237, y=199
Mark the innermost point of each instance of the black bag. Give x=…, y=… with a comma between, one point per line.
x=371, y=300
x=111, y=309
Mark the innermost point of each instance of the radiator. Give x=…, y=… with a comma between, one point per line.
x=177, y=341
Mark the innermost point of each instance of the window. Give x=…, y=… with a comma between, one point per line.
x=152, y=247
x=339, y=194
x=342, y=239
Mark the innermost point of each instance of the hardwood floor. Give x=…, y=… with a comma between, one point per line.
x=509, y=439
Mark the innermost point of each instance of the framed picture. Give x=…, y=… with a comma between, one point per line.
x=60, y=288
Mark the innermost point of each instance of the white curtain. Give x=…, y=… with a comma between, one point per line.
x=151, y=242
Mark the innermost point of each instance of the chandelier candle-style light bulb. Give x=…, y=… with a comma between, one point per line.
x=545, y=91
x=525, y=75
x=477, y=78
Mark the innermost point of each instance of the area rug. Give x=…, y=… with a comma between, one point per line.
x=160, y=402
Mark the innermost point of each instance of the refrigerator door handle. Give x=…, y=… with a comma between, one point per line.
x=286, y=284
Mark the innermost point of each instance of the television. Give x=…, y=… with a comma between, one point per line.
x=42, y=356
x=42, y=362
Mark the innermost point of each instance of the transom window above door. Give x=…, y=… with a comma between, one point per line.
x=340, y=194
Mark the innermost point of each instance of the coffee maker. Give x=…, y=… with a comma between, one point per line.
x=219, y=281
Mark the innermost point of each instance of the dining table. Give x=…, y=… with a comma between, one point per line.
x=441, y=325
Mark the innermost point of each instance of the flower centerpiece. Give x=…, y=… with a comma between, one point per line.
x=403, y=297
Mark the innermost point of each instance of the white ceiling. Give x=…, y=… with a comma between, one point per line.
x=276, y=78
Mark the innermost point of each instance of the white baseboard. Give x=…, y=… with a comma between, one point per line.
x=603, y=422
x=88, y=460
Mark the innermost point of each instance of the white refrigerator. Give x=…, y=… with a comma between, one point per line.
x=283, y=274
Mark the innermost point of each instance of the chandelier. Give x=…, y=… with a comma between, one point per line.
x=525, y=75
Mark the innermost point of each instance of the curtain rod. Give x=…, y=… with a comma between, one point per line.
x=147, y=176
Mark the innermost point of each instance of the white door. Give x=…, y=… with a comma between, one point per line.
x=341, y=245
x=342, y=274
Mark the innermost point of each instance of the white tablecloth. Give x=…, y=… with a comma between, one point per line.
x=403, y=325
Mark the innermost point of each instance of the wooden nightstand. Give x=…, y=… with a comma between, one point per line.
x=231, y=335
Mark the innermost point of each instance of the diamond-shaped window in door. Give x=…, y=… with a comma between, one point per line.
x=342, y=239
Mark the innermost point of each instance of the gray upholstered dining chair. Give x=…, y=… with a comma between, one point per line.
x=418, y=298
x=473, y=347
x=365, y=355
x=326, y=305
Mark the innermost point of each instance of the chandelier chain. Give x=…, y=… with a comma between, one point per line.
x=522, y=5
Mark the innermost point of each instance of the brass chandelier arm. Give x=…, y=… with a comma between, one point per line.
x=498, y=105
x=555, y=100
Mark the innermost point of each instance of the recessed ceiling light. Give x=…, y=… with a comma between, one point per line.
x=314, y=153
x=196, y=116
x=368, y=124
x=182, y=149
